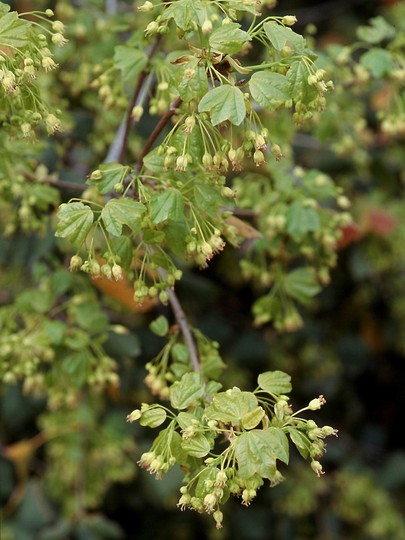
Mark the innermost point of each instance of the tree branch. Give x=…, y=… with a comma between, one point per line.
x=156, y=132
x=134, y=98
x=185, y=329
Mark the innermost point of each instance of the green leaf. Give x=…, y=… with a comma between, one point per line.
x=207, y=198
x=198, y=446
x=254, y=455
x=300, y=90
x=269, y=89
x=231, y=406
x=112, y=174
x=13, y=30
x=154, y=161
x=377, y=31
x=253, y=418
x=278, y=442
x=160, y=326
x=153, y=417
x=153, y=237
x=229, y=38
x=188, y=391
x=77, y=366
x=119, y=212
x=75, y=222
x=186, y=419
x=301, y=441
x=275, y=382
x=167, y=205
x=90, y=317
x=180, y=353
x=301, y=219
x=55, y=331
x=186, y=13
x=378, y=61
x=129, y=60
x=280, y=36
x=301, y=284
x=191, y=87
x=225, y=102
x=122, y=247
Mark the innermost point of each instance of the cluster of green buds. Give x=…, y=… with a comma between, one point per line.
x=25, y=203
x=202, y=246
x=23, y=105
x=96, y=267
x=110, y=88
x=215, y=437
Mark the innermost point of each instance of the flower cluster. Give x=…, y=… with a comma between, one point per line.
x=24, y=107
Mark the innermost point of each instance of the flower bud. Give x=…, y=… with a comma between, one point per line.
x=289, y=20
x=317, y=468
x=316, y=403
x=136, y=113
x=206, y=27
x=117, y=272
x=152, y=28
x=75, y=263
x=258, y=158
x=96, y=175
x=146, y=7
x=135, y=415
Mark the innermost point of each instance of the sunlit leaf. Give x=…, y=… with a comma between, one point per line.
x=13, y=30
x=228, y=38
x=75, y=222
x=153, y=417
x=275, y=382
x=188, y=391
x=167, y=205
x=198, y=446
x=225, y=102
x=301, y=284
x=129, y=60
x=119, y=212
x=269, y=89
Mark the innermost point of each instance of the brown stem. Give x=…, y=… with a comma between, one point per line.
x=185, y=329
x=134, y=98
x=157, y=131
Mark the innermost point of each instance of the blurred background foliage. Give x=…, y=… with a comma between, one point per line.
x=70, y=473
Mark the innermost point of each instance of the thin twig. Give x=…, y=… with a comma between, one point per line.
x=128, y=122
x=182, y=321
x=157, y=131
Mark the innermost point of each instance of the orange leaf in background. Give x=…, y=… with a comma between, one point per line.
x=123, y=292
x=378, y=221
x=245, y=230
x=350, y=233
x=382, y=98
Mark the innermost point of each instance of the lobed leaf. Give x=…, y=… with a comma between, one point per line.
x=229, y=38
x=112, y=174
x=198, y=446
x=269, y=89
x=167, y=205
x=13, y=30
x=224, y=103
x=301, y=219
x=188, y=391
x=129, y=60
x=280, y=36
x=153, y=417
x=75, y=222
x=119, y=212
x=275, y=382
x=301, y=284
x=231, y=406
